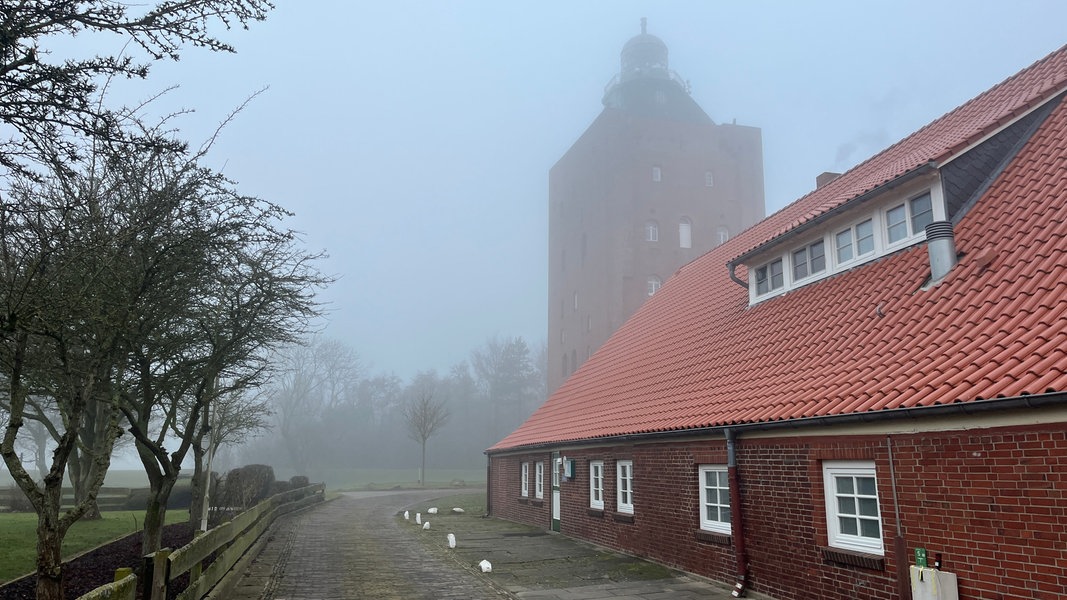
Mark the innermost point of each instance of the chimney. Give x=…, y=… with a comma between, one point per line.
x=941, y=244
x=825, y=178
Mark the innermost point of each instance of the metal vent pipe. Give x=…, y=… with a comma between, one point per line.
x=941, y=244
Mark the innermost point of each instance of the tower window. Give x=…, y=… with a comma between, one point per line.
x=651, y=231
x=685, y=233
x=709, y=179
x=657, y=174
x=654, y=283
x=723, y=235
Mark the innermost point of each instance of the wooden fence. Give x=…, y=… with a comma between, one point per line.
x=233, y=543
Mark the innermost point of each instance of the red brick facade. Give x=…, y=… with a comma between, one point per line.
x=991, y=502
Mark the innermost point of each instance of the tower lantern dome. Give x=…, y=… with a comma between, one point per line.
x=644, y=55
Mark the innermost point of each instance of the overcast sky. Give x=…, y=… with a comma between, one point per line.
x=413, y=139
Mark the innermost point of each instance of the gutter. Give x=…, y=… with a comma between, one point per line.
x=919, y=412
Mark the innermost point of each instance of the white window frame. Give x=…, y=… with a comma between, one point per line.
x=596, y=484
x=808, y=260
x=874, y=217
x=768, y=276
x=624, y=486
x=654, y=284
x=724, y=235
x=539, y=479
x=651, y=231
x=709, y=179
x=706, y=523
x=525, y=490
x=838, y=499
x=657, y=174
x=685, y=233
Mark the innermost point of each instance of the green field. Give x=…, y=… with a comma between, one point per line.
x=384, y=479
x=18, y=537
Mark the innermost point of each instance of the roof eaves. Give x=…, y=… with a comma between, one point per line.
x=973, y=407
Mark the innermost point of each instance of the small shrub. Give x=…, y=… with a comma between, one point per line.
x=299, y=481
x=246, y=486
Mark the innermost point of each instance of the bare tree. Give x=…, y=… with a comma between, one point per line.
x=58, y=101
x=424, y=416
x=509, y=380
x=314, y=378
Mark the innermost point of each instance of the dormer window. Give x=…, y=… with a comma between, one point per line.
x=770, y=277
x=916, y=213
x=856, y=241
x=850, y=239
x=809, y=260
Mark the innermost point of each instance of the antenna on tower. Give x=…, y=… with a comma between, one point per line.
x=644, y=25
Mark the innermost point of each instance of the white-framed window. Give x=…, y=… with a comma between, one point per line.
x=685, y=233
x=770, y=277
x=596, y=484
x=908, y=219
x=624, y=486
x=723, y=235
x=709, y=179
x=853, y=519
x=657, y=174
x=714, y=498
x=651, y=231
x=539, y=479
x=855, y=241
x=654, y=283
x=525, y=480
x=896, y=223
x=809, y=260
x=575, y=301
x=922, y=212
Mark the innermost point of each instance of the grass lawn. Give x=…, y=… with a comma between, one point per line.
x=18, y=537
x=384, y=479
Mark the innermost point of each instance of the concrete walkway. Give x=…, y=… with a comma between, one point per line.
x=356, y=547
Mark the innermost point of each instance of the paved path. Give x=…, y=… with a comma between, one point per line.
x=352, y=547
x=356, y=547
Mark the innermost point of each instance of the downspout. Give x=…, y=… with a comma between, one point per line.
x=488, y=484
x=736, y=519
x=734, y=277
x=900, y=545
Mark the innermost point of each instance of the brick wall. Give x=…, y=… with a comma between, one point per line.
x=993, y=502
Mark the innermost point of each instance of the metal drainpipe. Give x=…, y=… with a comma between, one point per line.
x=735, y=515
x=900, y=545
x=488, y=485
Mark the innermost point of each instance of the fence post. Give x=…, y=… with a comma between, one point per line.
x=122, y=573
x=197, y=569
x=156, y=575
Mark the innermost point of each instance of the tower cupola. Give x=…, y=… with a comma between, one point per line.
x=645, y=55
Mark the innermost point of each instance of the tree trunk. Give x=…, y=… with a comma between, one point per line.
x=422, y=469
x=49, y=560
x=200, y=482
x=156, y=516
x=50, y=533
x=81, y=478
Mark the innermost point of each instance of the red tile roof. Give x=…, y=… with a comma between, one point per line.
x=696, y=355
